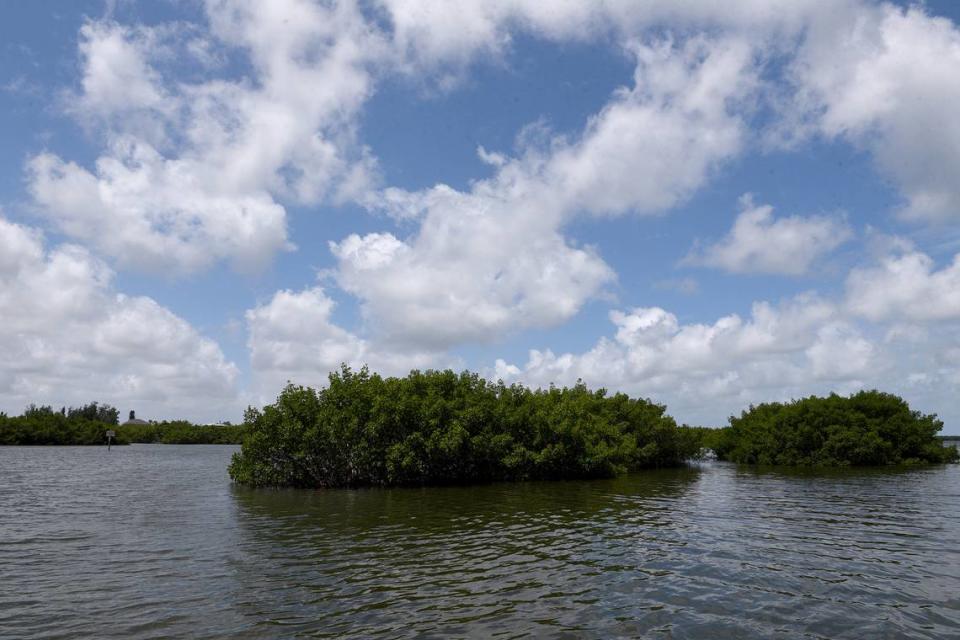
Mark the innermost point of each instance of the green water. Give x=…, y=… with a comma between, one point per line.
x=152, y=541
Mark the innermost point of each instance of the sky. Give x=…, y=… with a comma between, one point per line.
x=711, y=205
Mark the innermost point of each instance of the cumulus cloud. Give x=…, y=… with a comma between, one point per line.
x=493, y=259
x=193, y=149
x=840, y=353
x=476, y=277
x=68, y=337
x=887, y=80
x=117, y=77
x=146, y=212
x=189, y=157
x=906, y=286
x=896, y=328
x=759, y=243
x=703, y=370
x=655, y=143
x=207, y=132
x=194, y=171
x=293, y=338
x=455, y=33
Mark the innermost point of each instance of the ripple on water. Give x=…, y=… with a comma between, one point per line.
x=153, y=541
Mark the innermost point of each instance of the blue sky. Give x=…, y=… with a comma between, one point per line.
x=711, y=208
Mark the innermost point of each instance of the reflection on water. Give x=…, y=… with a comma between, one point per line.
x=482, y=560
x=155, y=542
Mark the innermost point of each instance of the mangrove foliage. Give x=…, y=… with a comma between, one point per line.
x=85, y=425
x=440, y=427
x=866, y=428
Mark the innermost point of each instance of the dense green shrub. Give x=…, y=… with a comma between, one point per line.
x=866, y=428
x=440, y=427
x=44, y=426
x=95, y=412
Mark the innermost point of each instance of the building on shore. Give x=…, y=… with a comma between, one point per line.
x=134, y=420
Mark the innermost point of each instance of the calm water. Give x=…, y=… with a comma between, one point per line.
x=153, y=541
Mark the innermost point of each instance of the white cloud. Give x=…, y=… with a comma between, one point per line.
x=469, y=275
x=68, y=338
x=896, y=329
x=195, y=172
x=493, y=259
x=455, y=33
x=188, y=157
x=117, y=78
x=209, y=131
x=147, y=212
x=887, y=80
x=293, y=338
x=654, y=144
x=707, y=371
x=840, y=353
x=907, y=286
x=759, y=243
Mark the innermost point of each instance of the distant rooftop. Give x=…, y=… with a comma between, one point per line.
x=134, y=419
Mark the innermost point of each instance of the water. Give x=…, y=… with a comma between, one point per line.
x=153, y=541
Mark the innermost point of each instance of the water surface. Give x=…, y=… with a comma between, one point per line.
x=152, y=541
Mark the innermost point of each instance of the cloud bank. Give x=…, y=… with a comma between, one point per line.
x=207, y=135
x=68, y=337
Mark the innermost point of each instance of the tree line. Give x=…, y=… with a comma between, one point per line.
x=440, y=427
x=88, y=424
x=181, y=432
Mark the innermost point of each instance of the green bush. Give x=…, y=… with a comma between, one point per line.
x=439, y=427
x=866, y=428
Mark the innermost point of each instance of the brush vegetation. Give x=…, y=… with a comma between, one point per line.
x=866, y=428
x=86, y=425
x=440, y=427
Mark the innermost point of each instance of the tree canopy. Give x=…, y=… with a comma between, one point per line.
x=866, y=428
x=439, y=427
x=44, y=426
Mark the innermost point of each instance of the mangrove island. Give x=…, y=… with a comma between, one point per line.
x=866, y=428
x=441, y=427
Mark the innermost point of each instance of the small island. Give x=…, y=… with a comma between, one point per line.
x=868, y=428
x=440, y=427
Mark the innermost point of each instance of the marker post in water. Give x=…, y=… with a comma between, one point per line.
x=110, y=435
